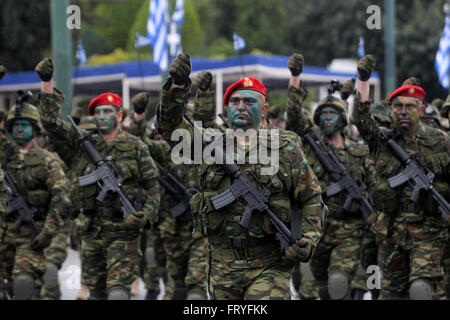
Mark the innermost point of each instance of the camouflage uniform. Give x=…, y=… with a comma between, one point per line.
x=3, y=204
x=338, y=251
x=247, y=264
x=42, y=182
x=413, y=235
x=109, y=250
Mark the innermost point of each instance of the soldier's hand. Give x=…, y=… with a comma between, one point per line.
x=44, y=69
x=203, y=80
x=300, y=251
x=2, y=71
x=180, y=69
x=295, y=64
x=42, y=240
x=140, y=102
x=366, y=65
x=135, y=221
x=347, y=89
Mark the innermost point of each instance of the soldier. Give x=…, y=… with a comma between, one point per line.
x=337, y=255
x=41, y=181
x=155, y=257
x=246, y=263
x=412, y=234
x=109, y=242
x=432, y=117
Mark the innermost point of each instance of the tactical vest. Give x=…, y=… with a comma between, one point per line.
x=122, y=153
x=432, y=153
x=31, y=178
x=354, y=157
x=213, y=180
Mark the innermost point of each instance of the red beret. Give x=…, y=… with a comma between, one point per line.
x=247, y=83
x=409, y=91
x=103, y=99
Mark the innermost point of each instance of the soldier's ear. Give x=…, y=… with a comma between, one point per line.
x=422, y=108
x=264, y=110
x=119, y=116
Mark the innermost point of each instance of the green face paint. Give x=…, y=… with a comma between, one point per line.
x=22, y=132
x=330, y=121
x=244, y=109
x=105, y=119
x=405, y=114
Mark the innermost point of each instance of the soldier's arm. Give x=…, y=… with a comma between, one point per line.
x=58, y=185
x=138, y=125
x=149, y=182
x=297, y=119
x=307, y=193
x=205, y=107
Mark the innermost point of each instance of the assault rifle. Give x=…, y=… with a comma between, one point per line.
x=177, y=190
x=416, y=177
x=255, y=200
x=103, y=175
x=16, y=203
x=344, y=179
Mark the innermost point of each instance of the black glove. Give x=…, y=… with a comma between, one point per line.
x=295, y=64
x=203, y=80
x=180, y=69
x=45, y=69
x=135, y=221
x=2, y=71
x=140, y=102
x=42, y=240
x=300, y=251
x=366, y=65
x=347, y=89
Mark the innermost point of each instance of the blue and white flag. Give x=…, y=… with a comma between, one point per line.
x=81, y=54
x=141, y=41
x=178, y=15
x=442, y=62
x=361, y=52
x=157, y=32
x=238, y=42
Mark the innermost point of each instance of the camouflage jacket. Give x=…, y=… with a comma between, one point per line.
x=293, y=180
x=128, y=154
x=430, y=146
x=40, y=179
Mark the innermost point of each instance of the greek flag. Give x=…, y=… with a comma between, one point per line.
x=178, y=15
x=238, y=42
x=141, y=41
x=157, y=32
x=361, y=52
x=442, y=61
x=81, y=54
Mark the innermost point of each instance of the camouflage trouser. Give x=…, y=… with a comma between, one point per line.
x=109, y=259
x=262, y=278
x=446, y=265
x=308, y=289
x=55, y=254
x=413, y=251
x=17, y=256
x=196, y=276
x=154, y=271
x=177, y=241
x=339, y=249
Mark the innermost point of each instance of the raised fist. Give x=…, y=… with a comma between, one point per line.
x=366, y=65
x=347, y=89
x=180, y=69
x=44, y=69
x=203, y=80
x=295, y=64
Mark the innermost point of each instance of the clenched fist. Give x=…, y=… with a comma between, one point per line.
x=203, y=80
x=180, y=69
x=2, y=71
x=300, y=251
x=347, y=89
x=45, y=69
x=295, y=64
x=366, y=65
